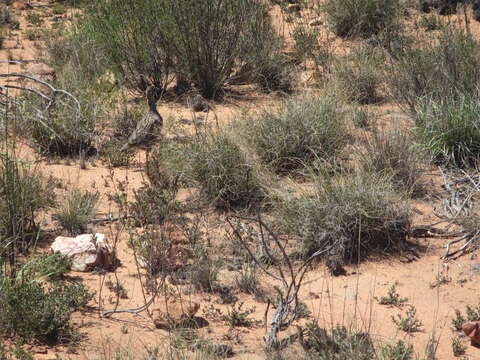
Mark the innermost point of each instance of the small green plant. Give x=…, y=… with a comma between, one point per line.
x=247, y=281
x=23, y=193
x=117, y=288
x=340, y=343
x=398, y=351
x=458, y=348
x=34, y=18
x=408, y=323
x=393, y=297
x=204, y=270
x=45, y=268
x=238, y=317
x=458, y=320
x=302, y=130
x=472, y=314
x=78, y=210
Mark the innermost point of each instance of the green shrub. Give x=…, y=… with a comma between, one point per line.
x=340, y=343
x=300, y=131
x=31, y=310
x=365, y=18
x=443, y=68
x=23, y=193
x=148, y=41
x=358, y=75
x=399, y=351
x=348, y=216
x=449, y=129
x=395, y=155
x=78, y=210
x=221, y=169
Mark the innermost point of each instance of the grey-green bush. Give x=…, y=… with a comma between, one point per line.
x=219, y=166
x=358, y=75
x=301, y=130
x=365, y=18
x=394, y=155
x=349, y=217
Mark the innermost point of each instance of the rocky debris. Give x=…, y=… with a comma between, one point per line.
x=41, y=70
x=87, y=251
x=175, y=313
x=472, y=330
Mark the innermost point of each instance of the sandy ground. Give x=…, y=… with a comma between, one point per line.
x=348, y=300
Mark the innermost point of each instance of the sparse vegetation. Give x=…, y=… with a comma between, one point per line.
x=398, y=351
x=30, y=309
x=341, y=343
x=79, y=208
x=408, y=323
x=393, y=154
x=393, y=298
x=219, y=166
x=238, y=317
x=458, y=348
x=23, y=193
x=365, y=18
x=344, y=209
x=301, y=131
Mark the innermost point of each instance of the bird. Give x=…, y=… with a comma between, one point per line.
x=198, y=104
x=146, y=127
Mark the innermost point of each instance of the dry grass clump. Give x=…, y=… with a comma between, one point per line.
x=349, y=216
x=223, y=172
x=301, y=130
x=394, y=155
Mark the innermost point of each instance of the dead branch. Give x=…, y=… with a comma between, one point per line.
x=287, y=309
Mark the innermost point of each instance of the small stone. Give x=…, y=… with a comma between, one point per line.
x=471, y=329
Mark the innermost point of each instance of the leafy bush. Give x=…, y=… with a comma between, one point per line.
x=339, y=344
x=78, y=210
x=399, y=351
x=443, y=68
x=300, y=131
x=31, y=308
x=275, y=73
x=221, y=169
x=348, y=216
x=358, y=75
x=450, y=129
x=364, y=18
x=23, y=193
x=148, y=41
x=394, y=154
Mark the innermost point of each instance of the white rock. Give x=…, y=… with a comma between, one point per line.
x=86, y=251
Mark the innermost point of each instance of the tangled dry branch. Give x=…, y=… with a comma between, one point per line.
x=288, y=306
